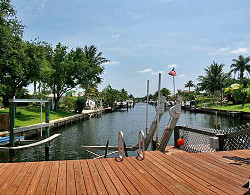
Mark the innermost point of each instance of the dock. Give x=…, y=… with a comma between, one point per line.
x=174, y=173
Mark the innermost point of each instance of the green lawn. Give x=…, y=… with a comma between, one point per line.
x=31, y=115
x=237, y=107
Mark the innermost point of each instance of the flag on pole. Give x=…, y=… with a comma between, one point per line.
x=172, y=73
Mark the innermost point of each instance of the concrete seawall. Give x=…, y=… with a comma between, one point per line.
x=233, y=114
x=63, y=122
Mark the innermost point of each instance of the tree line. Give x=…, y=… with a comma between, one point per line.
x=219, y=84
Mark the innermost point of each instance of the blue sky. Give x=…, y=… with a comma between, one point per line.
x=142, y=38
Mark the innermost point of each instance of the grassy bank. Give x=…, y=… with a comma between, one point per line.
x=238, y=107
x=31, y=115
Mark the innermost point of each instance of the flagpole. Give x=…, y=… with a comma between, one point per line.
x=158, y=109
x=174, y=86
x=147, y=107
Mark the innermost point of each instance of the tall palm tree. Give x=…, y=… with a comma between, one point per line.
x=189, y=84
x=94, y=60
x=213, y=79
x=240, y=65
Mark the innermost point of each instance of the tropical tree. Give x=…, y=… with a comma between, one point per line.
x=123, y=94
x=212, y=82
x=109, y=96
x=60, y=74
x=240, y=65
x=93, y=68
x=11, y=31
x=164, y=91
x=189, y=84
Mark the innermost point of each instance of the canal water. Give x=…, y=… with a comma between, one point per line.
x=96, y=131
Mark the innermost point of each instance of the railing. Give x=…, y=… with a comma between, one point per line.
x=120, y=142
x=141, y=143
x=209, y=140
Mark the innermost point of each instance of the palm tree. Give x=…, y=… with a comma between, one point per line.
x=241, y=65
x=213, y=79
x=189, y=84
x=94, y=60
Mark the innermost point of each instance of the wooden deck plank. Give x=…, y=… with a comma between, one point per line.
x=202, y=161
x=43, y=183
x=230, y=159
x=116, y=181
x=240, y=153
x=5, y=171
x=35, y=179
x=52, y=184
x=161, y=177
x=100, y=188
x=2, y=164
x=232, y=168
x=222, y=185
x=16, y=183
x=139, y=186
x=90, y=186
x=71, y=183
x=10, y=177
x=147, y=174
x=139, y=174
x=125, y=181
x=105, y=178
x=191, y=175
x=158, y=173
x=62, y=178
x=215, y=173
x=80, y=184
x=27, y=178
x=185, y=183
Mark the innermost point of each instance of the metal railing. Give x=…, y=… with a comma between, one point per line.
x=141, y=143
x=120, y=146
x=209, y=140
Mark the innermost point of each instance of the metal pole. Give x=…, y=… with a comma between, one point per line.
x=41, y=118
x=220, y=90
x=12, y=122
x=47, y=119
x=101, y=106
x=158, y=109
x=174, y=86
x=147, y=108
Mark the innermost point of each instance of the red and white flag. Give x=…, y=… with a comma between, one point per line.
x=172, y=73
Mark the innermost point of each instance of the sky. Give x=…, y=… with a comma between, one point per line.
x=144, y=37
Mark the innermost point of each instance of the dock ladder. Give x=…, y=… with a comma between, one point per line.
x=141, y=143
x=122, y=146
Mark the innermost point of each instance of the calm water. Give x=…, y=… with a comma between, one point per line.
x=97, y=131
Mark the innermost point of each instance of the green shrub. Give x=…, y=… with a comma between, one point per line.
x=1, y=102
x=80, y=104
x=236, y=92
x=68, y=103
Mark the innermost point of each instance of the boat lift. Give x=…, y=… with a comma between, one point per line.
x=175, y=112
x=19, y=130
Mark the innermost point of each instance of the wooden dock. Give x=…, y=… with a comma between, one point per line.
x=158, y=173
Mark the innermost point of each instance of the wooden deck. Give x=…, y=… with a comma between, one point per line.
x=158, y=173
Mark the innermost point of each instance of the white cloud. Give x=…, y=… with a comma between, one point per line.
x=148, y=70
x=181, y=76
x=172, y=65
x=227, y=51
x=239, y=51
x=222, y=50
x=115, y=36
x=112, y=63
